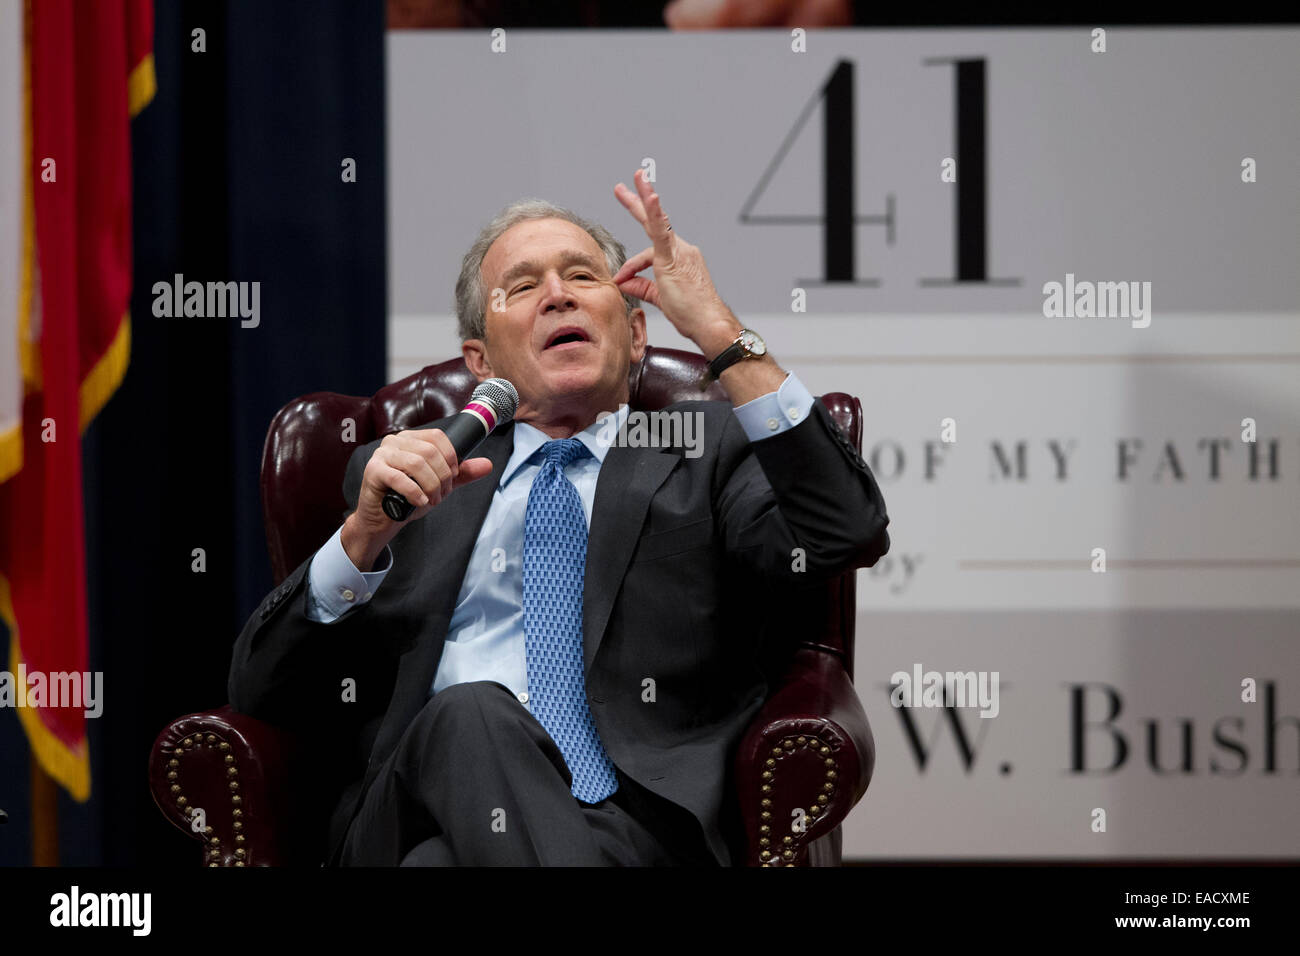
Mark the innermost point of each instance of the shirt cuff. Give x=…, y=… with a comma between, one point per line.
x=334, y=584
x=777, y=411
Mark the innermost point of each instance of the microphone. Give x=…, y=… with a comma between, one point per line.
x=494, y=401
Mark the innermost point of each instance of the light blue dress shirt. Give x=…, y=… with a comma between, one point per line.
x=485, y=639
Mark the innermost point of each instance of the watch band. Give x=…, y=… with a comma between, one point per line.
x=729, y=356
x=737, y=351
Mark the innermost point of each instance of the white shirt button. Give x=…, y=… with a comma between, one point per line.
x=773, y=424
x=523, y=697
x=347, y=594
x=368, y=595
x=793, y=413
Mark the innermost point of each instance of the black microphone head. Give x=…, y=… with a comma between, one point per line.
x=500, y=395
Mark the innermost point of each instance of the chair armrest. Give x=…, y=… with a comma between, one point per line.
x=234, y=768
x=809, y=749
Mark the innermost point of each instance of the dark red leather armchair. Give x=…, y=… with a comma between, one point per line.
x=808, y=756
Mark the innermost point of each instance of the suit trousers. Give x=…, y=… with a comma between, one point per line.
x=476, y=781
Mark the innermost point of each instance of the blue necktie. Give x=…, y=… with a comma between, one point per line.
x=555, y=563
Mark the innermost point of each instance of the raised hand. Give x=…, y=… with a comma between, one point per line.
x=682, y=288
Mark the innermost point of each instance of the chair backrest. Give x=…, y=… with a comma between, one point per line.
x=311, y=439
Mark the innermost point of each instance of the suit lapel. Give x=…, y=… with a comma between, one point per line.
x=628, y=480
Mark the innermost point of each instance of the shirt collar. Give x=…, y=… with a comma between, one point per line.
x=598, y=436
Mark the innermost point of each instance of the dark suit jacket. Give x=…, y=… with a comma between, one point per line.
x=689, y=569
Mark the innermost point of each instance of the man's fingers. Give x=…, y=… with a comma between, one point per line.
x=631, y=202
x=403, y=484
x=644, y=205
x=641, y=288
x=632, y=284
x=642, y=260
x=471, y=469
x=656, y=221
x=434, y=436
x=416, y=466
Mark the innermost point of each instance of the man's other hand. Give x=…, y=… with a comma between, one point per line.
x=682, y=288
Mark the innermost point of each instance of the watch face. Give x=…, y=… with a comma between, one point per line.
x=752, y=343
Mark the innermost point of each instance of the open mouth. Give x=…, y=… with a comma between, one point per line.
x=566, y=338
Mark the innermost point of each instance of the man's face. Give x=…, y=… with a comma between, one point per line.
x=558, y=329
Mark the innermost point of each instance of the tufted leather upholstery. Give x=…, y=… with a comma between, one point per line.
x=812, y=733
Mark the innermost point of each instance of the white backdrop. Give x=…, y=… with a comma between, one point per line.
x=1072, y=434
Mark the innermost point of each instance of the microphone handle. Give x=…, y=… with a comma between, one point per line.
x=466, y=432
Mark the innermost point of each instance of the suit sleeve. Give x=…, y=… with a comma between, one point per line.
x=287, y=667
x=800, y=506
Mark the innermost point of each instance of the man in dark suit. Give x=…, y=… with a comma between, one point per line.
x=553, y=665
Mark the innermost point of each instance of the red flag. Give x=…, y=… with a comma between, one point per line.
x=89, y=69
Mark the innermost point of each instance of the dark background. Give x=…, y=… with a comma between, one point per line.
x=237, y=176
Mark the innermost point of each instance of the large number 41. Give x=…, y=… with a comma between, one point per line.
x=838, y=217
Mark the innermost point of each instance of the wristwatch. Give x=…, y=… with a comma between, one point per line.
x=748, y=345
